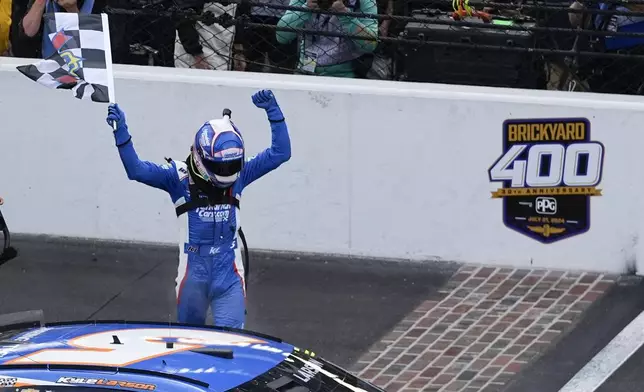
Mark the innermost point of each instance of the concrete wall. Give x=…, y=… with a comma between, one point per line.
x=378, y=169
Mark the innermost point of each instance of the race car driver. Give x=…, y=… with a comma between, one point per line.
x=206, y=189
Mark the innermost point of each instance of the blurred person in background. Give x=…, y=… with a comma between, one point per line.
x=259, y=45
x=129, y=28
x=157, y=33
x=331, y=55
x=379, y=64
x=142, y=38
x=5, y=28
x=623, y=75
x=30, y=28
x=21, y=47
x=206, y=46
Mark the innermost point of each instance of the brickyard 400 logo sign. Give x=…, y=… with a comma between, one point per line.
x=549, y=168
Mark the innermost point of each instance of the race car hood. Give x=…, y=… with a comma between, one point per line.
x=222, y=359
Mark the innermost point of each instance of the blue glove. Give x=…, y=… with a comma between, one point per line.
x=115, y=114
x=265, y=99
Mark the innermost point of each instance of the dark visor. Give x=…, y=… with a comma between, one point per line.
x=227, y=168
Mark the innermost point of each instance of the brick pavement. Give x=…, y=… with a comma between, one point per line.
x=486, y=325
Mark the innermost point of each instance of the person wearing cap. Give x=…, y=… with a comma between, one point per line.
x=206, y=189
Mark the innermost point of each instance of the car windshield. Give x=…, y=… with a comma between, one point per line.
x=7, y=336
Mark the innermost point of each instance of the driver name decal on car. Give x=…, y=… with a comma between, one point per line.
x=106, y=383
x=309, y=370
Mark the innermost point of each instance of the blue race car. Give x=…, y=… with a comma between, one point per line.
x=82, y=356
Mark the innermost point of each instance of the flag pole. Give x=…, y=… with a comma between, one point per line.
x=108, y=61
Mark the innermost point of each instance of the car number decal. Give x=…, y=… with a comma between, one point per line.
x=136, y=345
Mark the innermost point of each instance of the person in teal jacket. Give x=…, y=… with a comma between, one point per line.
x=331, y=55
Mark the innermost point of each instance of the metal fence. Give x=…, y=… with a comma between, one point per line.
x=551, y=44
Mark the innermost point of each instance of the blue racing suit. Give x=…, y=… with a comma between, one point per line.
x=211, y=271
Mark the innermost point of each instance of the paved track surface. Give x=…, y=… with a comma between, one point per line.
x=338, y=308
x=629, y=377
x=601, y=323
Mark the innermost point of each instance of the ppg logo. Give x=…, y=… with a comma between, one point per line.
x=546, y=205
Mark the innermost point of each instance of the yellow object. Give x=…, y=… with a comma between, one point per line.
x=5, y=24
x=307, y=352
x=459, y=5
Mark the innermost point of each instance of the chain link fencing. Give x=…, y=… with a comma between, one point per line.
x=537, y=44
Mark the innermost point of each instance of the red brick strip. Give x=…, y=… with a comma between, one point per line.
x=488, y=324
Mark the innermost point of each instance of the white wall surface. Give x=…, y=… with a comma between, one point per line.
x=378, y=169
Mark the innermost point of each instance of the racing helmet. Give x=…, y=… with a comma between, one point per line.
x=218, y=152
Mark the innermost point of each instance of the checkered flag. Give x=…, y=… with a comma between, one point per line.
x=82, y=61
